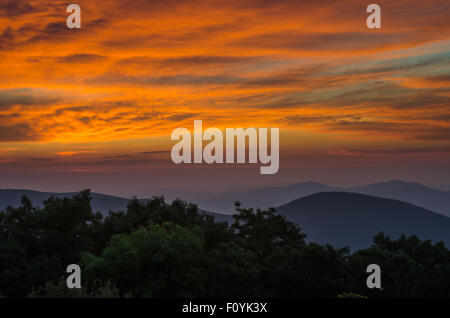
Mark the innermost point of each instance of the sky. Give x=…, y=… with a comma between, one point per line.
x=95, y=107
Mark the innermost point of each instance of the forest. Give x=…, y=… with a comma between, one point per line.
x=159, y=249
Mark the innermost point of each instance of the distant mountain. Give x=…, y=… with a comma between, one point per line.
x=351, y=219
x=100, y=202
x=415, y=193
x=263, y=197
x=338, y=218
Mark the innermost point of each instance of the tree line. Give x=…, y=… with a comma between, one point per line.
x=159, y=249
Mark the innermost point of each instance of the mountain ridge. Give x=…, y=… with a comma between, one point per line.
x=264, y=197
x=272, y=196
x=351, y=219
x=100, y=202
x=336, y=217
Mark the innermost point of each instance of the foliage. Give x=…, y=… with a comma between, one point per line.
x=156, y=249
x=158, y=260
x=60, y=290
x=350, y=295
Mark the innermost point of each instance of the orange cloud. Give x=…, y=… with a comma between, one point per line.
x=75, y=152
x=138, y=69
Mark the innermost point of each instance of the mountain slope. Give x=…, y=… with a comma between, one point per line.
x=263, y=197
x=351, y=219
x=338, y=218
x=414, y=193
x=100, y=202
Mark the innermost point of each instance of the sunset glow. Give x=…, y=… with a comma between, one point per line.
x=105, y=98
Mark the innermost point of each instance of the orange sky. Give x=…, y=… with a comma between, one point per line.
x=104, y=99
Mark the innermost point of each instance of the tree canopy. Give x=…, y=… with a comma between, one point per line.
x=159, y=249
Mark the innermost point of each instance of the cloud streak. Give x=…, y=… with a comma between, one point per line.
x=136, y=70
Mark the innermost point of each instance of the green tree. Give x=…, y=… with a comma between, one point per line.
x=155, y=261
x=36, y=244
x=410, y=267
x=59, y=290
x=263, y=230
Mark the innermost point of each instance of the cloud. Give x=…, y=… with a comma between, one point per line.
x=170, y=80
x=18, y=132
x=80, y=58
x=6, y=38
x=335, y=42
x=24, y=97
x=433, y=134
x=181, y=116
x=417, y=64
x=75, y=152
x=389, y=151
x=140, y=68
x=359, y=94
x=316, y=119
x=15, y=8
x=154, y=152
x=404, y=130
x=186, y=61
x=55, y=31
